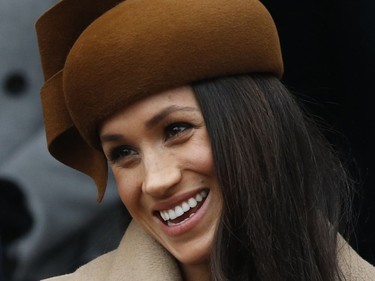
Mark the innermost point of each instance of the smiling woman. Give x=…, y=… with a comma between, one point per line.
x=224, y=175
x=162, y=161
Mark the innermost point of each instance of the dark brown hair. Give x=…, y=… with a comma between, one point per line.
x=285, y=191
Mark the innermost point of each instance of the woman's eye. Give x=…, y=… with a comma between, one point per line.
x=176, y=129
x=121, y=152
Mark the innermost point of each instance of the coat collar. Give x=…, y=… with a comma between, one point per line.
x=139, y=257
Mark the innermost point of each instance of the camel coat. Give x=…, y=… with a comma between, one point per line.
x=140, y=258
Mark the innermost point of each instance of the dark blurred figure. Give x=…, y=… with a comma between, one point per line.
x=68, y=227
x=329, y=51
x=15, y=221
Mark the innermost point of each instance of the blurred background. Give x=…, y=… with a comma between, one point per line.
x=49, y=220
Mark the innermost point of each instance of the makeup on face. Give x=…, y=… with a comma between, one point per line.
x=160, y=154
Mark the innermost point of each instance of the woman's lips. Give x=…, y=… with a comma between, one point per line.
x=173, y=226
x=181, y=211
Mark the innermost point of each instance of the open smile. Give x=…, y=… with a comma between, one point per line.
x=181, y=217
x=183, y=211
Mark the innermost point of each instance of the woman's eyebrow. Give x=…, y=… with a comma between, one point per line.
x=111, y=138
x=165, y=112
x=150, y=122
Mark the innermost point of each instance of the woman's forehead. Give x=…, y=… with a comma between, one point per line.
x=154, y=107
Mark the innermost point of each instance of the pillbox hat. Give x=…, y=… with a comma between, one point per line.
x=98, y=56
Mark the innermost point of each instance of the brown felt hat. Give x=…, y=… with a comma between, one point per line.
x=100, y=55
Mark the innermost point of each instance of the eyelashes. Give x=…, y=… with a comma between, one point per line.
x=121, y=152
x=173, y=134
x=176, y=129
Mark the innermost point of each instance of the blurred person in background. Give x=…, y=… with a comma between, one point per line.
x=39, y=217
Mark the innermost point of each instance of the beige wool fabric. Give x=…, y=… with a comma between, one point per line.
x=139, y=257
x=100, y=56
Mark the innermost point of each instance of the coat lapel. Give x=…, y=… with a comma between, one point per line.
x=139, y=258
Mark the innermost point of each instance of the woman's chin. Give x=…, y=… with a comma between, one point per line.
x=192, y=253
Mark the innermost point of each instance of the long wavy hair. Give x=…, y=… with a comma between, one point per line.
x=285, y=192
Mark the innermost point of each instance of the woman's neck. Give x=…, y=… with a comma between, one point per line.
x=198, y=272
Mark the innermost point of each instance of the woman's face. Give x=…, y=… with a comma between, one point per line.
x=160, y=155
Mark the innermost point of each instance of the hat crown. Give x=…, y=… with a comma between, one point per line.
x=128, y=50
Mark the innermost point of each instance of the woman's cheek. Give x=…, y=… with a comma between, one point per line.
x=199, y=155
x=128, y=186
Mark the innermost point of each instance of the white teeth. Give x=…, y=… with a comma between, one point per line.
x=166, y=215
x=173, y=224
x=203, y=193
x=179, y=211
x=162, y=215
x=198, y=198
x=172, y=214
x=184, y=207
x=192, y=202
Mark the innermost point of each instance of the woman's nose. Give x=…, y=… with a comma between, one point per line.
x=161, y=173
